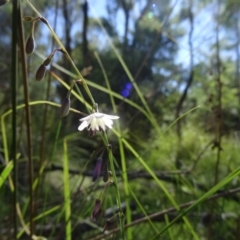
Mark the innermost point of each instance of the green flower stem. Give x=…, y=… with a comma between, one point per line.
x=110, y=156
x=85, y=86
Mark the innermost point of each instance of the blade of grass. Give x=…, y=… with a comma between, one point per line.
x=169, y=230
x=5, y=173
x=67, y=194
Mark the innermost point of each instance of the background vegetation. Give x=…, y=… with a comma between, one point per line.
x=171, y=71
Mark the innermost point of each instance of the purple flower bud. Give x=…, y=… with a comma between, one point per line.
x=65, y=106
x=40, y=72
x=97, y=169
x=97, y=211
x=30, y=45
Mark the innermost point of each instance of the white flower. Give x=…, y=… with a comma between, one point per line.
x=97, y=122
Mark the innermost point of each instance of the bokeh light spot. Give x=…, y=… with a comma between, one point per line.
x=125, y=93
x=150, y=15
x=129, y=86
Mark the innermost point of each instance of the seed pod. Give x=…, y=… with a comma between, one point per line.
x=48, y=60
x=65, y=106
x=30, y=45
x=40, y=72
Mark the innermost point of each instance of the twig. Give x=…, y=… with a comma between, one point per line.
x=14, y=110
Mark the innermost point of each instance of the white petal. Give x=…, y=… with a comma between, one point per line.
x=83, y=125
x=102, y=124
x=111, y=117
x=85, y=118
x=94, y=124
x=108, y=122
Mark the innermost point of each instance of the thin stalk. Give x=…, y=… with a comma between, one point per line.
x=115, y=184
x=28, y=120
x=14, y=110
x=169, y=230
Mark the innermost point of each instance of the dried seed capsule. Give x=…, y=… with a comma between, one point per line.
x=65, y=107
x=30, y=45
x=48, y=60
x=40, y=72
